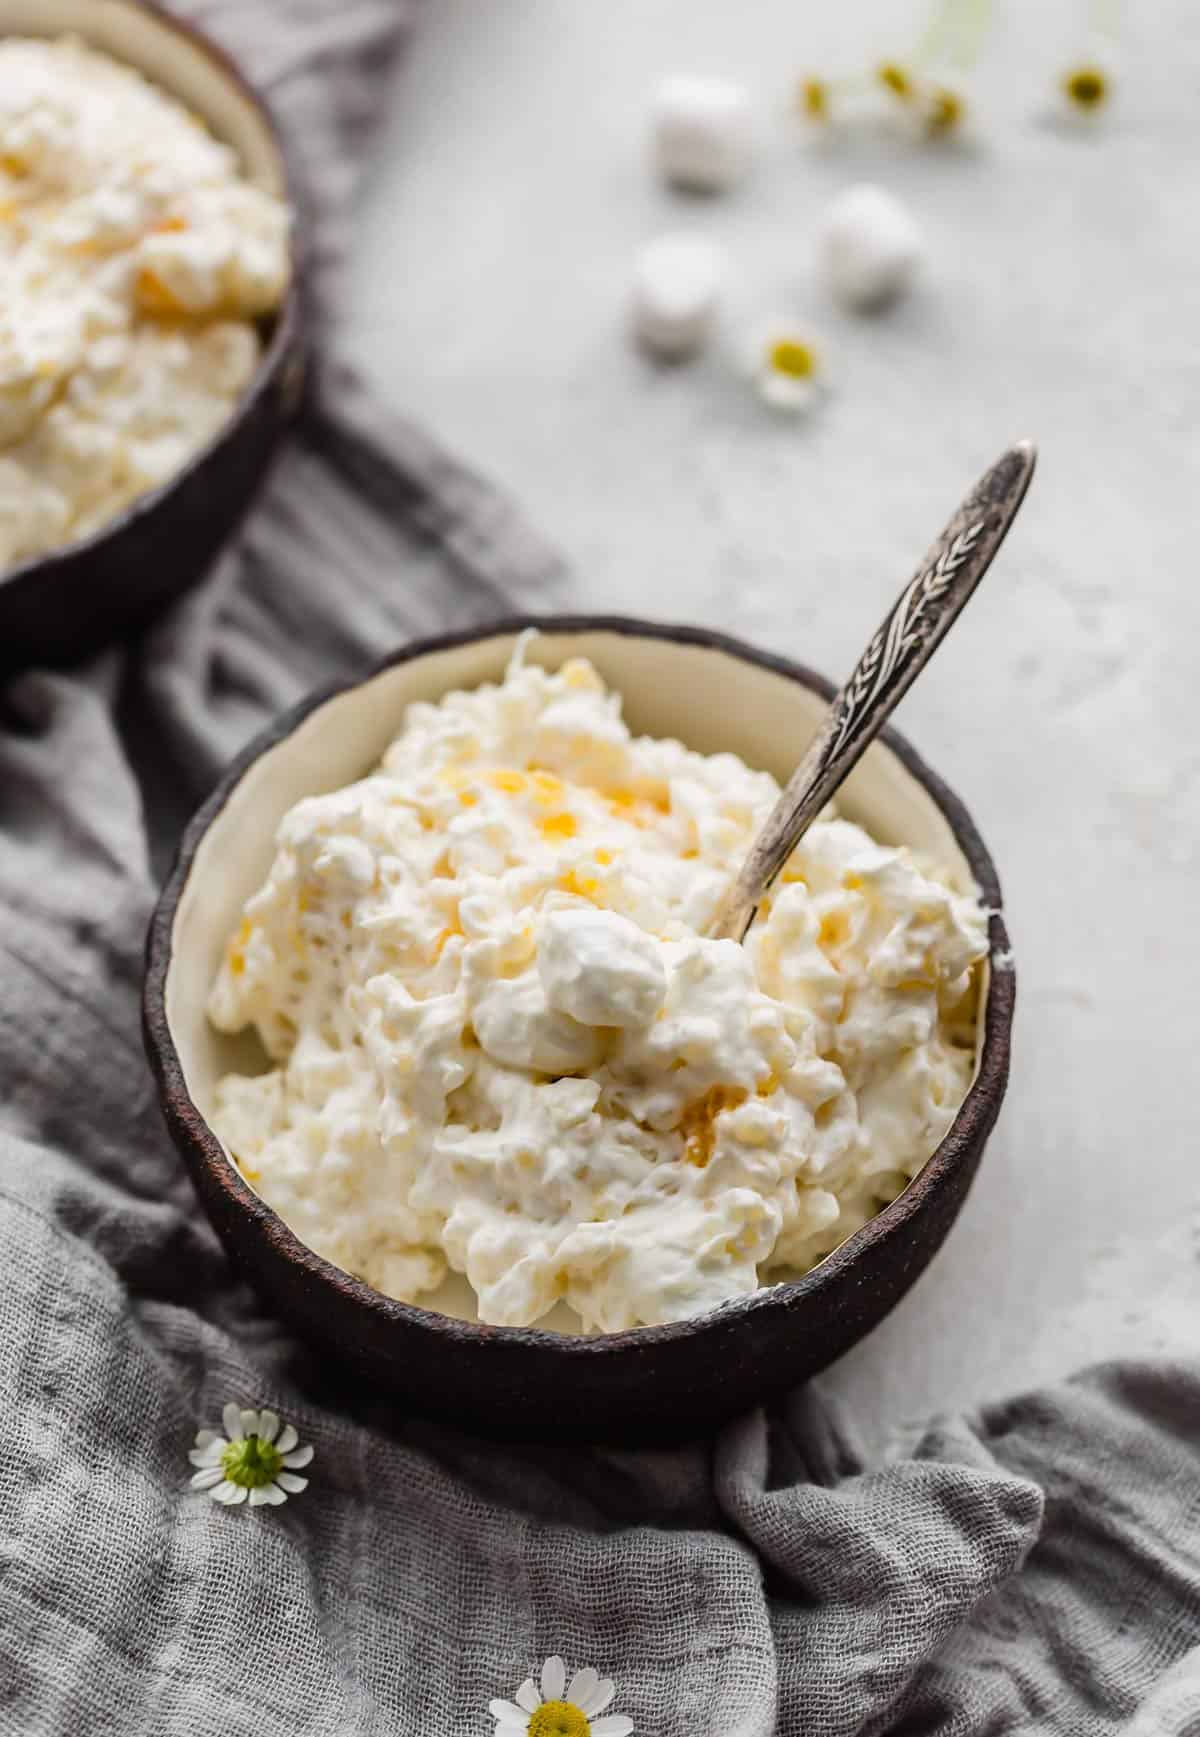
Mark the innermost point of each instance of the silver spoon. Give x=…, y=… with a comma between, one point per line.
x=907, y=639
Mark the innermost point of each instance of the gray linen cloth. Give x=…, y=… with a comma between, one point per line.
x=1034, y=1567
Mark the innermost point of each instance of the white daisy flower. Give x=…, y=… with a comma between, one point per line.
x=254, y=1460
x=562, y=1709
x=786, y=369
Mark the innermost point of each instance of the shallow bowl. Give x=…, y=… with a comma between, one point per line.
x=654, y=1382
x=65, y=604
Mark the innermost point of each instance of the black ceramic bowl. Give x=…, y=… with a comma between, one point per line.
x=654, y=1382
x=65, y=604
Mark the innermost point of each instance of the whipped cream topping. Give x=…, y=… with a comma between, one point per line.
x=135, y=260
x=500, y=1042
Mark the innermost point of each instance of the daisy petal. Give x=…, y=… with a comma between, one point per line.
x=207, y=1479
x=506, y=1728
x=506, y=1710
x=616, y=1725
x=249, y=1422
x=206, y=1438
x=268, y=1425
x=602, y=1694
x=287, y=1440
x=261, y=1497
x=554, y=1679
x=278, y=1496
x=299, y=1456
x=291, y=1483
x=223, y=1492
x=581, y=1688
x=240, y=1492
x=527, y=1696
x=231, y=1417
x=208, y=1456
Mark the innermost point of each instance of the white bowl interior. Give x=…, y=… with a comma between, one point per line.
x=704, y=696
x=142, y=39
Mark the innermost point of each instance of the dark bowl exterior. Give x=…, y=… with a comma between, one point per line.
x=649, y=1384
x=63, y=606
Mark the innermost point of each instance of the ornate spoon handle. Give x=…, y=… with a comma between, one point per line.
x=919, y=621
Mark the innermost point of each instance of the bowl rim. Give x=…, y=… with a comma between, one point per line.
x=957, y=1149
x=284, y=322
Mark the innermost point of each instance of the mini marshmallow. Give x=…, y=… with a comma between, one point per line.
x=870, y=247
x=676, y=286
x=703, y=134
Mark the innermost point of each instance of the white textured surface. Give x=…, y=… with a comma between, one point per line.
x=1059, y=302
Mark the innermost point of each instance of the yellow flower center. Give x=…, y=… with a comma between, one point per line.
x=558, y=1719
x=789, y=356
x=946, y=110
x=814, y=98
x=1086, y=87
x=894, y=78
